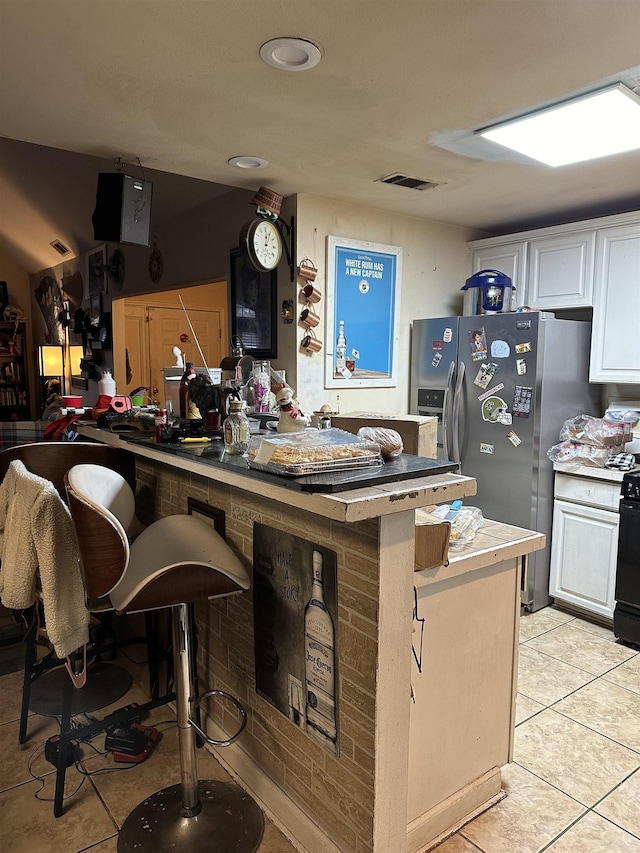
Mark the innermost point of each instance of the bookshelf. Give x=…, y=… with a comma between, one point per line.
x=15, y=403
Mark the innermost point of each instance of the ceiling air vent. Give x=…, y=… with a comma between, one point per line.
x=60, y=247
x=401, y=180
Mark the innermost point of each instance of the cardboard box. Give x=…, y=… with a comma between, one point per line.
x=432, y=541
x=419, y=433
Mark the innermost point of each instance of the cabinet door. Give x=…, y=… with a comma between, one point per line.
x=560, y=271
x=584, y=550
x=615, y=354
x=509, y=259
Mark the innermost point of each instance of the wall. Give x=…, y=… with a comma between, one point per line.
x=435, y=264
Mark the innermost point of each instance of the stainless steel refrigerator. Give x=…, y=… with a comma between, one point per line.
x=501, y=386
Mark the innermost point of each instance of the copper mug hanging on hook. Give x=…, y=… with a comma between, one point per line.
x=307, y=270
x=311, y=293
x=311, y=343
x=308, y=317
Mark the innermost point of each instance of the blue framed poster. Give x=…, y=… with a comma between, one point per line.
x=363, y=314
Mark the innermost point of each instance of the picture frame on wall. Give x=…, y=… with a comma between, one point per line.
x=97, y=271
x=362, y=314
x=253, y=307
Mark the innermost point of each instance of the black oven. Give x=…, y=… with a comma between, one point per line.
x=626, y=616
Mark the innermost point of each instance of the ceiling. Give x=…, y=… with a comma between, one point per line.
x=401, y=87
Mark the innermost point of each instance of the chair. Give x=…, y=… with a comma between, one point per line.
x=172, y=563
x=106, y=682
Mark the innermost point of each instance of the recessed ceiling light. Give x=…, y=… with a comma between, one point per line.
x=291, y=54
x=594, y=125
x=247, y=162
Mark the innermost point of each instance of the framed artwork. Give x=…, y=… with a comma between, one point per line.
x=253, y=307
x=97, y=271
x=363, y=314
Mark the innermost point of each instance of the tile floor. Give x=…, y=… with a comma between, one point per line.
x=573, y=787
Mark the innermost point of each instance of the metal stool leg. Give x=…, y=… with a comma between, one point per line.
x=214, y=816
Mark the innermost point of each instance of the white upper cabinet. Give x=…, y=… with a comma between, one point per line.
x=510, y=259
x=615, y=338
x=560, y=271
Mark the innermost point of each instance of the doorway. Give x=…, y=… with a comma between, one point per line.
x=147, y=329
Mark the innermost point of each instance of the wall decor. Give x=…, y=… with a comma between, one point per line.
x=49, y=297
x=295, y=613
x=363, y=314
x=97, y=271
x=253, y=307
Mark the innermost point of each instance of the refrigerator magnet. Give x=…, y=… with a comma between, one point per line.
x=437, y=345
x=447, y=336
x=522, y=348
x=437, y=358
x=500, y=349
x=522, y=399
x=485, y=374
x=513, y=438
x=491, y=391
x=486, y=448
x=521, y=366
x=478, y=344
x=493, y=408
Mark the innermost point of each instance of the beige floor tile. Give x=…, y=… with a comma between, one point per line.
x=545, y=679
x=11, y=697
x=530, y=816
x=274, y=841
x=580, y=648
x=608, y=709
x=594, y=628
x=593, y=834
x=456, y=844
x=533, y=624
x=22, y=756
x=28, y=825
x=622, y=806
x=108, y=846
x=526, y=708
x=578, y=761
x=626, y=675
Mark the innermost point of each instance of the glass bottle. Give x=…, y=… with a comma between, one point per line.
x=261, y=386
x=236, y=429
x=341, y=349
x=319, y=656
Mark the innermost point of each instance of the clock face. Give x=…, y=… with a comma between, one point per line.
x=262, y=244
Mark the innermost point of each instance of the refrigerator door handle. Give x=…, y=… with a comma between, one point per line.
x=446, y=442
x=456, y=414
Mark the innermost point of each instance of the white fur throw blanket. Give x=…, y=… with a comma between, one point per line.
x=38, y=544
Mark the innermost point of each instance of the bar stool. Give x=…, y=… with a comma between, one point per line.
x=172, y=563
x=45, y=681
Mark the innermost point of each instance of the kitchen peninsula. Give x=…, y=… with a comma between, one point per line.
x=421, y=737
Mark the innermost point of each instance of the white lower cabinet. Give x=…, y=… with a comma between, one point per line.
x=584, y=544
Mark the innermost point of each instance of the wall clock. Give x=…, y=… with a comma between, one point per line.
x=261, y=244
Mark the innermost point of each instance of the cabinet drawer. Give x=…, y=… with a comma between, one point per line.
x=585, y=491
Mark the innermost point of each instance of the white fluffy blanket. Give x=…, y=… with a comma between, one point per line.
x=39, y=549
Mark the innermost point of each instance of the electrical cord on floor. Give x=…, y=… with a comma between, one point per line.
x=43, y=779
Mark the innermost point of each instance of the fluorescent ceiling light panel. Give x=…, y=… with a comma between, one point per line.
x=595, y=125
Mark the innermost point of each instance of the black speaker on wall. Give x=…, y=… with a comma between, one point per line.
x=123, y=209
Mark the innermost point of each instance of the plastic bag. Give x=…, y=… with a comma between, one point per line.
x=571, y=455
x=586, y=429
x=464, y=524
x=388, y=440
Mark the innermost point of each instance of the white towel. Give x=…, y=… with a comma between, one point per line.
x=37, y=538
